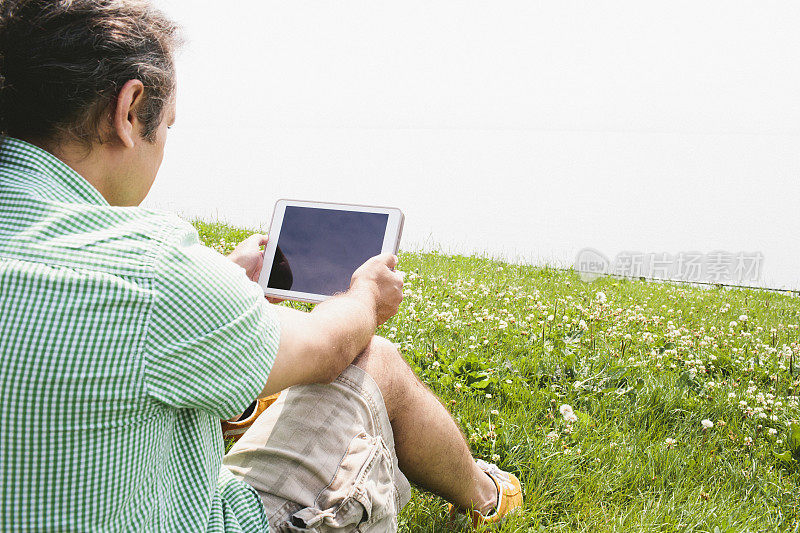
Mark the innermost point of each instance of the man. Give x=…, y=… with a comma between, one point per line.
x=123, y=341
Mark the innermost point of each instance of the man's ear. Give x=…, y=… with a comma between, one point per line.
x=125, y=123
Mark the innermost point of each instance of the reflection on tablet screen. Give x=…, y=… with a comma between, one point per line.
x=319, y=249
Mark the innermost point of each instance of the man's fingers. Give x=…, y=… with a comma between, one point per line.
x=390, y=260
x=258, y=239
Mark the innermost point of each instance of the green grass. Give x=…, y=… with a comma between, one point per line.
x=504, y=346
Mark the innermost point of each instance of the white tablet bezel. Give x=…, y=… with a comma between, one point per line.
x=391, y=241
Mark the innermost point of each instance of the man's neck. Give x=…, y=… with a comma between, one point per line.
x=90, y=162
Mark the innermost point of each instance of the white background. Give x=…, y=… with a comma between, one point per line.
x=521, y=128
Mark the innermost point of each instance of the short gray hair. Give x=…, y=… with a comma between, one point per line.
x=63, y=61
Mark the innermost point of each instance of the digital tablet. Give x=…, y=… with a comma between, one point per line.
x=315, y=247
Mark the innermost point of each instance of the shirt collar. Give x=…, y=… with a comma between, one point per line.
x=44, y=174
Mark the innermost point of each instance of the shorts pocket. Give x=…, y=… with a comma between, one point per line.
x=362, y=493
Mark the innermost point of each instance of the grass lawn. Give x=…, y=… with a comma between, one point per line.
x=683, y=400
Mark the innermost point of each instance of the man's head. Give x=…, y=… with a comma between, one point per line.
x=90, y=76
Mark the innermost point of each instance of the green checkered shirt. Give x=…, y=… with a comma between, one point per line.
x=123, y=341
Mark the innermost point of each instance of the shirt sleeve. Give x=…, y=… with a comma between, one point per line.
x=212, y=335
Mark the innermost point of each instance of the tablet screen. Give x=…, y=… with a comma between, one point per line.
x=319, y=249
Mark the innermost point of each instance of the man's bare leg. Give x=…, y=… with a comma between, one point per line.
x=431, y=450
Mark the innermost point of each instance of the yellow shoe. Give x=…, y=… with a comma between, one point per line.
x=509, y=496
x=235, y=427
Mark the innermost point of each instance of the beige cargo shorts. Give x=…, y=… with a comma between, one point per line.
x=322, y=459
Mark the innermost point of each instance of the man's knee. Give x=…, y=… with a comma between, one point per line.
x=380, y=359
x=383, y=362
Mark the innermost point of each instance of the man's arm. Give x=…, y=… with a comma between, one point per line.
x=316, y=347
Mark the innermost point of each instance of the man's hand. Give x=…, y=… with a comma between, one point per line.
x=249, y=256
x=386, y=286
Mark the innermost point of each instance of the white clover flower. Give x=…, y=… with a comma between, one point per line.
x=670, y=442
x=772, y=431
x=748, y=441
x=495, y=457
x=600, y=297
x=552, y=435
x=742, y=318
x=707, y=424
x=733, y=324
x=568, y=414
